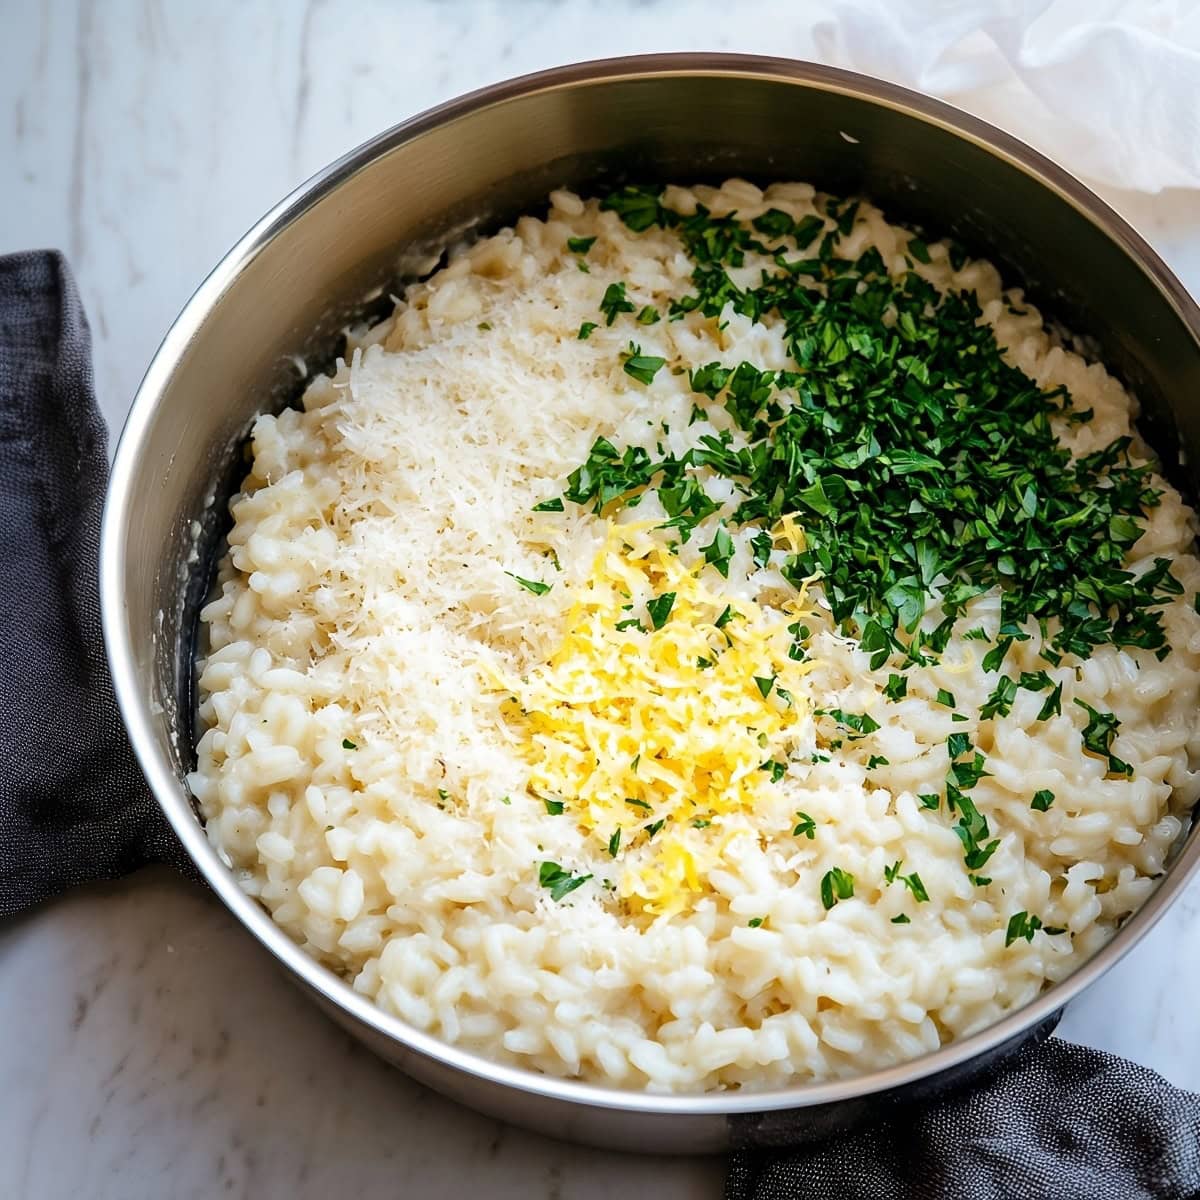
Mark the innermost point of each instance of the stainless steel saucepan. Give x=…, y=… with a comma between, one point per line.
x=292, y=282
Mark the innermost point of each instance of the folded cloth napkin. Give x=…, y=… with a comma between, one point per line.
x=73, y=804
x=1058, y=1122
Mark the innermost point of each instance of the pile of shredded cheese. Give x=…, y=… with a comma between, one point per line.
x=665, y=712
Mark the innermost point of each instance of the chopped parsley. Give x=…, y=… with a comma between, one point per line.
x=918, y=250
x=945, y=698
x=912, y=882
x=908, y=494
x=554, y=504
x=859, y=723
x=648, y=316
x=1021, y=925
x=755, y=922
x=776, y=769
x=805, y=826
x=1042, y=800
x=585, y=330
x=972, y=830
x=1098, y=735
x=719, y=551
x=1000, y=702
x=967, y=774
x=994, y=658
x=347, y=744
x=553, y=807
x=896, y=687
x=659, y=609
x=615, y=302
x=958, y=744
x=836, y=885
x=901, y=919
x=580, y=245
x=642, y=367
x=561, y=883
x=1053, y=704
x=531, y=585
x=877, y=760
x=764, y=684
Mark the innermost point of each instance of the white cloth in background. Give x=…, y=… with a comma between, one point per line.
x=1109, y=87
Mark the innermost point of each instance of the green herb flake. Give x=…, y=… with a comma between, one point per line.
x=659, y=609
x=580, y=245
x=531, y=585
x=1098, y=736
x=585, y=330
x=764, y=684
x=919, y=250
x=945, y=698
x=896, y=687
x=347, y=744
x=615, y=302
x=1053, y=705
x=877, y=760
x=930, y=800
x=1000, y=702
x=994, y=658
x=642, y=367
x=554, y=504
x=1021, y=925
x=859, y=723
x=559, y=882
x=719, y=551
x=755, y=922
x=901, y=919
x=1042, y=800
x=648, y=316
x=775, y=223
x=553, y=807
x=805, y=826
x=777, y=769
x=958, y=744
x=836, y=885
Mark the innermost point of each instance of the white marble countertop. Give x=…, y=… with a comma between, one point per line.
x=151, y=1050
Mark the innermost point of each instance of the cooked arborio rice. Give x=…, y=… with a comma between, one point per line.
x=381, y=636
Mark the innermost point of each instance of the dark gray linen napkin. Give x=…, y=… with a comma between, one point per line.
x=73, y=804
x=1057, y=1122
